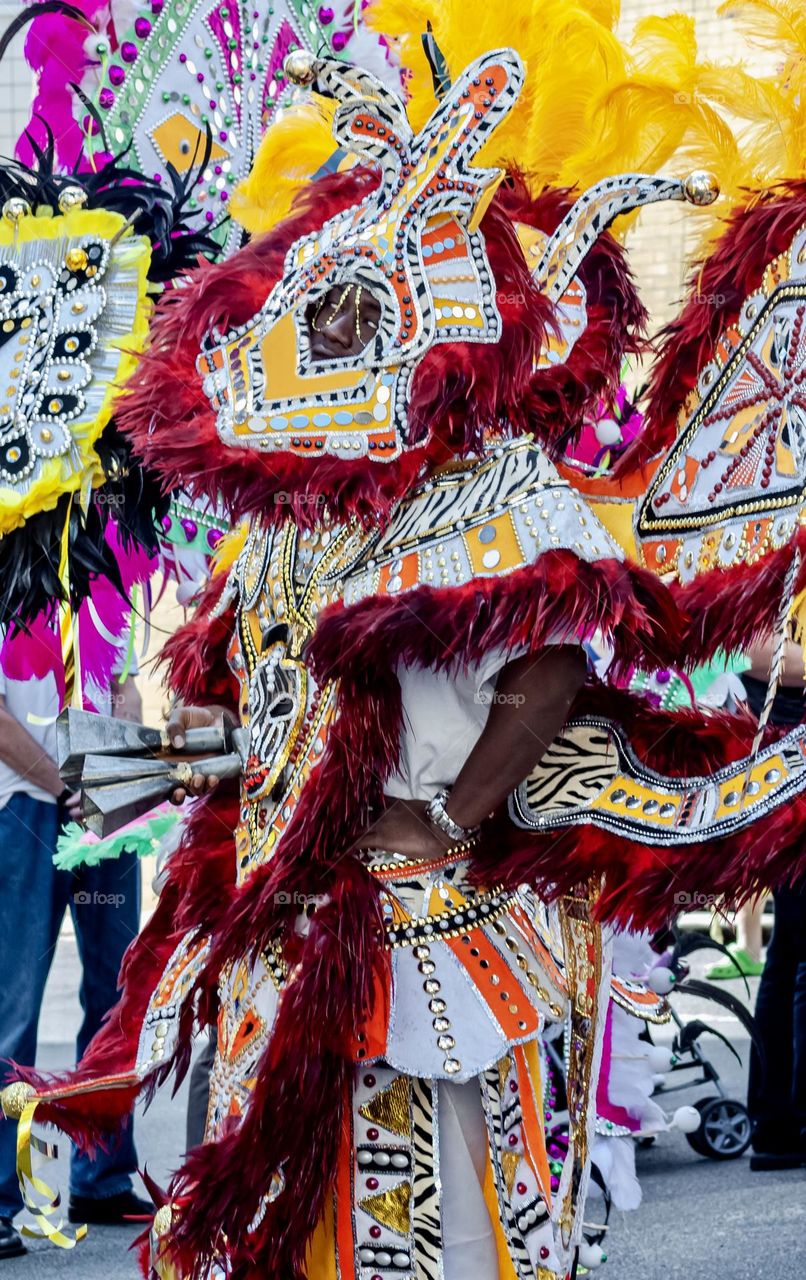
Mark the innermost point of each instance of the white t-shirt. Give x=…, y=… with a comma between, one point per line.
x=443, y=718
x=35, y=704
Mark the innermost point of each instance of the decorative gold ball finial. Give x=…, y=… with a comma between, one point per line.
x=300, y=67
x=163, y=1221
x=72, y=198
x=701, y=187
x=15, y=208
x=15, y=1098
x=76, y=259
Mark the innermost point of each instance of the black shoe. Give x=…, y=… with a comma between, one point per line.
x=111, y=1211
x=11, y=1245
x=769, y=1161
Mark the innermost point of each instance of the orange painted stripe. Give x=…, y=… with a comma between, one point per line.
x=492, y=992
x=345, y=1193
x=643, y=998
x=534, y=1130
x=409, y=574
x=541, y=951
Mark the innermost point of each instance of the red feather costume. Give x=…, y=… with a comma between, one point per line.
x=403, y=517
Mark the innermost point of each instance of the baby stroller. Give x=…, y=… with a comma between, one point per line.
x=724, y=1130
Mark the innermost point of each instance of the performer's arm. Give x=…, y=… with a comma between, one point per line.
x=127, y=703
x=22, y=753
x=530, y=707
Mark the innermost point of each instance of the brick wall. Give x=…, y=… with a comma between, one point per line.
x=15, y=83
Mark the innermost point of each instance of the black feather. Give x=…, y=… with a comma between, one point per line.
x=36, y=11
x=94, y=114
x=686, y=942
x=436, y=61
x=707, y=990
x=687, y=1035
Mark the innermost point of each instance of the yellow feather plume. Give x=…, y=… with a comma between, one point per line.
x=592, y=105
x=772, y=108
x=229, y=548
x=569, y=48
x=293, y=150
x=770, y=23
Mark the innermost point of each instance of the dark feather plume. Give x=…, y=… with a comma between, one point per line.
x=37, y=11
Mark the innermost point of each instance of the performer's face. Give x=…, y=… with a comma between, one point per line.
x=342, y=323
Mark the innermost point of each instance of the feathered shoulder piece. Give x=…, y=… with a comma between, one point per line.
x=79, y=256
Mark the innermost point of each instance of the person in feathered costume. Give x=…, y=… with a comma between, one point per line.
x=401, y=641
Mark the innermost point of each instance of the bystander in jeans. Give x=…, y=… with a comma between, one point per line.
x=104, y=903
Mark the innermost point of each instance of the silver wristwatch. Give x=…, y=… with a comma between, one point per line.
x=439, y=817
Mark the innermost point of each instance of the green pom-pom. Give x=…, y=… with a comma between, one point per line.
x=73, y=850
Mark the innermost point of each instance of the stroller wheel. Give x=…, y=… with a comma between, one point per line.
x=724, y=1132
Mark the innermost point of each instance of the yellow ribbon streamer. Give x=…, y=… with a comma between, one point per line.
x=49, y=1224
x=67, y=624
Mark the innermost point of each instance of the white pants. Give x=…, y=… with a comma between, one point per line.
x=468, y=1242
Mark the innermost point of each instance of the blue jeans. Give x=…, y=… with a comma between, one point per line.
x=104, y=902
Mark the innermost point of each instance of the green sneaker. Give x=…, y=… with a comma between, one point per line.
x=742, y=966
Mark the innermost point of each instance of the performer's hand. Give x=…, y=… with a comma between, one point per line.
x=72, y=806
x=184, y=718
x=198, y=786
x=404, y=828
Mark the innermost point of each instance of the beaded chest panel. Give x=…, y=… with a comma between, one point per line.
x=280, y=579
x=483, y=518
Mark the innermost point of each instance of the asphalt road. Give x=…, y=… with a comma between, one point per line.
x=700, y=1220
